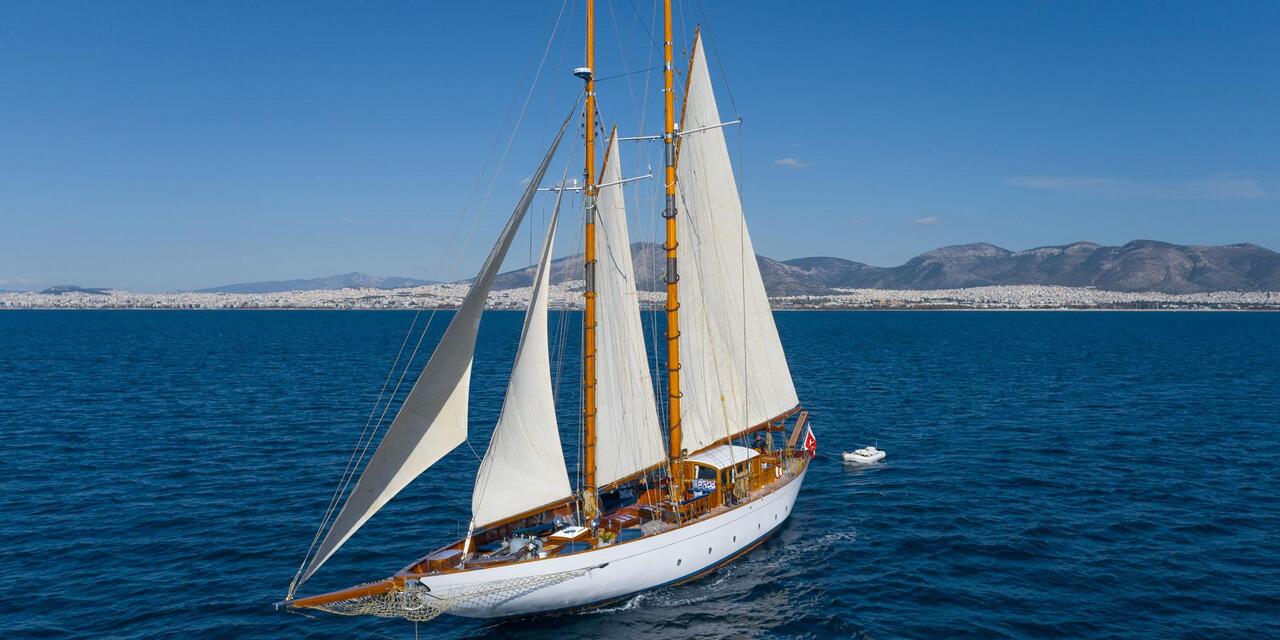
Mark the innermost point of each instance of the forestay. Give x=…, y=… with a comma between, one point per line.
x=734, y=373
x=523, y=469
x=628, y=434
x=432, y=421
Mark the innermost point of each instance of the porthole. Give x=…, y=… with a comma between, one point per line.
x=757, y=525
x=775, y=516
x=708, y=550
x=678, y=561
x=735, y=538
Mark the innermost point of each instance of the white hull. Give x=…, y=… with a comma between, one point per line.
x=615, y=572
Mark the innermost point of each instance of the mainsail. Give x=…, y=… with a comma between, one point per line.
x=523, y=469
x=628, y=435
x=432, y=421
x=734, y=372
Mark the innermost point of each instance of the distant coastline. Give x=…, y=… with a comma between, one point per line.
x=569, y=295
x=1140, y=266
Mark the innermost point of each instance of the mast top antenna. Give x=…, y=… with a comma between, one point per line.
x=583, y=72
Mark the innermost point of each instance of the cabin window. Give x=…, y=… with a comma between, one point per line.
x=704, y=480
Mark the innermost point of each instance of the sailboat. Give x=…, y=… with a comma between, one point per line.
x=663, y=497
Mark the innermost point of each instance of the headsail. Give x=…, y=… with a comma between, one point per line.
x=523, y=469
x=433, y=419
x=628, y=434
x=734, y=372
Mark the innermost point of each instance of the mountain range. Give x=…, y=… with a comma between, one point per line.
x=1138, y=266
x=341, y=281
x=1141, y=265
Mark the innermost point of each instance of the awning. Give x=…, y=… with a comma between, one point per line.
x=724, y=456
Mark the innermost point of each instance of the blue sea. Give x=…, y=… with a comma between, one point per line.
x=1049, y=475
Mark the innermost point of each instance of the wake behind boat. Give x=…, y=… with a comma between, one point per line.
x=663, y=496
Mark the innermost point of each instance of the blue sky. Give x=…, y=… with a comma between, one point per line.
x=161, y=145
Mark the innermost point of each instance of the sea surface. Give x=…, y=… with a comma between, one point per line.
x=1049, y=474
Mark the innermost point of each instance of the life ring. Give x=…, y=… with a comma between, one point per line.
x=777, y=471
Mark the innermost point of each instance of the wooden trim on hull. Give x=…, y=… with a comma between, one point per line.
x=371, y=589
x=711, y=514
x=399, y=582
x=411, y=572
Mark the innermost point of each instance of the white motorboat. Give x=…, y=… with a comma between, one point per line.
x=865, y=455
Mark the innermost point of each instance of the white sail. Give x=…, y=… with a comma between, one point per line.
x=432, y=421
x=734, y=374
x=523, y=469
x=628, y=434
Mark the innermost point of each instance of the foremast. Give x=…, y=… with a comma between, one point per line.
x=590, y=507
x=590, y=190
x=672, y=278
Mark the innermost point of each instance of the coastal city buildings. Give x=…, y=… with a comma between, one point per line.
x=568, y=295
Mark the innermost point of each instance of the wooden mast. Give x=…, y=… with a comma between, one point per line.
x=675, y=449
x=589, y=192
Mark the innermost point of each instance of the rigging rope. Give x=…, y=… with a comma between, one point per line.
x=623, y=75
x=657, y=44
x=659, y=380
x=724, y=77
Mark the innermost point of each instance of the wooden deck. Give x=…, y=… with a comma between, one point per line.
x=653, y=512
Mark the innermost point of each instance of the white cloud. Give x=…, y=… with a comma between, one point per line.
x=927, y=221
x=791, y=163
x=1227, y=189
x=1214, y=188
x=1065, y=183
x=346, y=219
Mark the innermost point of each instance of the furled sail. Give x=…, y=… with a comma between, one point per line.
x=432, y=421
x=628, y=435
x=734, y=374
x=523, y=469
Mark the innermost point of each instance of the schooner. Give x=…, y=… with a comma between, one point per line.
x=663, y=497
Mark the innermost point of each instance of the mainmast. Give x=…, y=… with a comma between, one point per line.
x=589, y=192
x=672, y=277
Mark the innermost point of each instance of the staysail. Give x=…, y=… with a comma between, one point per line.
x=734, y=372
x=432, y=421
x=523, y=468
x=628, y=434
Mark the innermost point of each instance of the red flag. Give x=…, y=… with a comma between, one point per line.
x=810, y=442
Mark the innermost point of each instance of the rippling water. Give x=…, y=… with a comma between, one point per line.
x=1049, y=475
